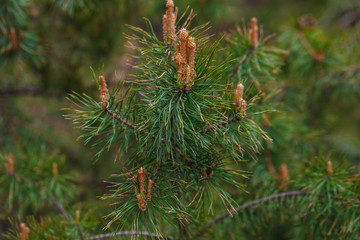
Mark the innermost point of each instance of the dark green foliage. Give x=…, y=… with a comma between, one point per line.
x=176, y=130
x=187, y=161
x=325, y=208
x=163, y=208
x=34, y=181
x=15, y=38
x=333, y=209
x=261, y=64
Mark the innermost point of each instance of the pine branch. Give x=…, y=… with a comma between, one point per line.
x=67, y=216
x=224, y=123
x=31, y=91
x=317, y=56
x=352, y=68
x=125, y=233
x=119, y=119
x=248, y=205
x=242, y=61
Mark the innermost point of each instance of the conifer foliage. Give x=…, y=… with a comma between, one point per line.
x=216, y=139
x=190, y=125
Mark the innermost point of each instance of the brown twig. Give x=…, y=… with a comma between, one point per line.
x=118, y=118
x=317, y=56
x=248, y=205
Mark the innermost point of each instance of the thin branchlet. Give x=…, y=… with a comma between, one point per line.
x=119, y=119
x=14, y=42
x=228, y=121
x=124, y=233
x=248, y=205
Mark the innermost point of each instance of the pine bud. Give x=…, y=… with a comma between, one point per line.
x=165, y=27
x=150, y=183
x=24, y=234
x=192, y=47
x=238, y=95
x=170, y=6
x=284, y=173
x=77, y=216
x=183, y=37
x=139, y=195
x=179, y=62
x=186, y=48
x=171, y=23
x=243, y=108
x=177, y=49
x=10, y=164
x=319, y=56
x=141, y=172
x=55, y=170
x=13, y=39
x=283, y=176
x=188, y=75
x=329, y=168
x=169, y=20
x=141, y=202
x=254, y=33
x=103, y=93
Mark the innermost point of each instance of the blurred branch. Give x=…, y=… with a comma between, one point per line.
x=248, y=205
x=318, y=57
x=28, y=91
x=242, y=61
x=353, y=68
x=67, y=216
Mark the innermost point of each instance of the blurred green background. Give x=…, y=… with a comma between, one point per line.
x=62, y=39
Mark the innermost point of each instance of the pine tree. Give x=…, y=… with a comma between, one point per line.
x=215, y=139
x=189, y=128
